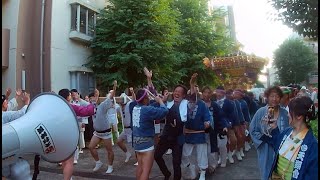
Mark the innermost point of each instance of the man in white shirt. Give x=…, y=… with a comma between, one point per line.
x=112, y=115
x=76, y=100
x=126, y=134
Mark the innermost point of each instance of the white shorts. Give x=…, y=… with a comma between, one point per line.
x=145, y=150
x=106, y=135
x=126, y=134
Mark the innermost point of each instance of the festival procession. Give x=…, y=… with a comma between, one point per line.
x=165, y=89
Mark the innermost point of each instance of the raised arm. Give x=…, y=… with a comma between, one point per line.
x=113, y=92
x=132, y=92
x=193, y=83
x=151, y=88
x=9, y=116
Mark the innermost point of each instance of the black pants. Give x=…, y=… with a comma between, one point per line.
x=162, y=148
x=88, y=133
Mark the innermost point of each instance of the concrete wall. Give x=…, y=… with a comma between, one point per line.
x=66, y=54
x=10, y=21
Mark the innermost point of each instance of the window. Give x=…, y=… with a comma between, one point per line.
x=74, y=17
x=83, y=19
x=84, y=82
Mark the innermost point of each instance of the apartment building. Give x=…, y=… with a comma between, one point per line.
x=45, y=44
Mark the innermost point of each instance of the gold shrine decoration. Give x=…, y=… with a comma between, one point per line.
x=236, y=61
x=235, y=72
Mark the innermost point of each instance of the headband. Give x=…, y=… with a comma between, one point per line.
x=143, y=96
x=238, y=92
x=220, y=91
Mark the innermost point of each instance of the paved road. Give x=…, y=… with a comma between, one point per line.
x=247, y=169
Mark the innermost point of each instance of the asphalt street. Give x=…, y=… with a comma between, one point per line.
x=246, y=169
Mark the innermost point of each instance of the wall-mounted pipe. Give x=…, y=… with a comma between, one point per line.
x=41, y=45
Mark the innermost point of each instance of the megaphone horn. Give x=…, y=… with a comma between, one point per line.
x=49, y=128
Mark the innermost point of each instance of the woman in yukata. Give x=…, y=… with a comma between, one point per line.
x=296, y=147
x=259, y=127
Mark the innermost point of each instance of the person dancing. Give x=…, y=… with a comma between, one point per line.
x=143, y=116
x=102, y=131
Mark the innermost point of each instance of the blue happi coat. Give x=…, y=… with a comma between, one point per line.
x=306, y=163
x=264, y=150
x=195, y=121
x=143, y=120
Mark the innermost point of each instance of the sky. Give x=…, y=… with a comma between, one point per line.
x=254, y=31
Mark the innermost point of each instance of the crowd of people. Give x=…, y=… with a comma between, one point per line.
x=219, y=124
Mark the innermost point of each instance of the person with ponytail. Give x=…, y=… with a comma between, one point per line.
x=296, y=147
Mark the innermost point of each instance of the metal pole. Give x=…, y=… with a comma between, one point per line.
x=41, y=46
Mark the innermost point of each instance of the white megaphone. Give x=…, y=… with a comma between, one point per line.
x=49, y=128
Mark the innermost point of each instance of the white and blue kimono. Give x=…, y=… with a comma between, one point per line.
x=264, y=150
x=143, y=124
x=306, y=163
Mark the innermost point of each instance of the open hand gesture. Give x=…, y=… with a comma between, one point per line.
x=147, y=72
x=8, y=92
x=26, y=98
x=193, y=78
x=115, y=83
x=131, y=89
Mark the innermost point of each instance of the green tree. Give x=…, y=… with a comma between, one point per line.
x=203, y=35
x=293, y=60
x=132, y=34
x=300, y=15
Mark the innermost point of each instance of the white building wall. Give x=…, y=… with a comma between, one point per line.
x=10, y=21
x=66, y=54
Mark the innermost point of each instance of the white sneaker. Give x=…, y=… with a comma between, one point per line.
x=136, y=164
x=75, y=161
x=247, y=146
x=98, y=166
x=109, y=170
x=80, y=151
x=202, y=175
x=230, y=157
x=219, y=160
x=223, y=165
x=169, y=152
x=241, y=152
x=238, y=156
x=60, y=164
x=128, y=155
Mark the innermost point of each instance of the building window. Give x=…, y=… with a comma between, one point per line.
x=84, y=82
x=83, y=19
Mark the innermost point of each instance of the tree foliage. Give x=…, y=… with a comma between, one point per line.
x=300, y=15
x=293, y=60
x=132, y=34
x=204, y=35
x=169, y=37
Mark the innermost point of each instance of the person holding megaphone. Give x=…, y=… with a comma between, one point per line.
x=40, y=135
x=20, y=169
